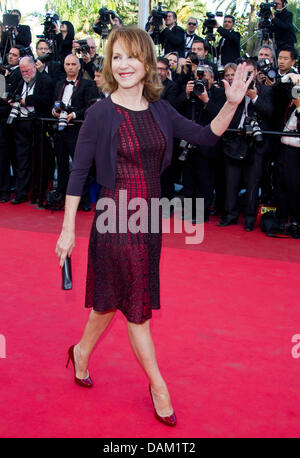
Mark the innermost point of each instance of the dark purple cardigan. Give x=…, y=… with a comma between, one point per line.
x=98, y=139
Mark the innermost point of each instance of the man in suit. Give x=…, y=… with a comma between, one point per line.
x=12, y=79
x=76, y=93
x=35, y=91
x=282, y=25
x=190, y=35
x=170, y=88
x=228, y=48
x=199, y=166
x=49, y=66
x=19, y=35
x=244, y=155
x=171, y=36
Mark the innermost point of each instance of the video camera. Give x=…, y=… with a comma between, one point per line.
x=265, y=14
x=264, y=66
x=84, y=47
x=100, y=26
x=64, y=111
x=209, y=25
x=10, y=20
x=157, y=15
x=50, y=26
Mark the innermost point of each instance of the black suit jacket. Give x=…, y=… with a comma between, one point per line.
x=172, y=40
x=23, y=39
x=229, y=45
x=169, y=92
x=42, y=96
x=83, y=93
x=55, y=72
x=282, y=26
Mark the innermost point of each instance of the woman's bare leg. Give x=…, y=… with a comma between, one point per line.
x=96, y=325
x=143, y=347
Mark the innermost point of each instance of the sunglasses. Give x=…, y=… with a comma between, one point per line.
x=192, y=23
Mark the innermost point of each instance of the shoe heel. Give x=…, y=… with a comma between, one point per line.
x=68, y=361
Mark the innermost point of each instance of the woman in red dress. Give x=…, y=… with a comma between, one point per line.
x=129, y=135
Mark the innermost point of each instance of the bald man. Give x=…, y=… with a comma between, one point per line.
x=36, y=94
x=76, y=93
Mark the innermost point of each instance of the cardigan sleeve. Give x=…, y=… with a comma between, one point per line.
x=190, y=131
x=84, y=153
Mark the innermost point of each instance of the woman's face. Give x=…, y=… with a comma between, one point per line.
x=173, y=61
x=63, y=28
x=127, y=70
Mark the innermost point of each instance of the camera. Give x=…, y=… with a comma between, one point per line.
x=295, y=90
x=50, y=25
x=209, y=25
x=44, y=58
x=186, y=148
x=15, y=111
x=63, y=111
x=100, y=26
x=157, y=15
x=10, y=20
x=265, y=22
x=193, y=58
x=251, y=85
x=251, y=127
x=264, y=66
x=84, y=47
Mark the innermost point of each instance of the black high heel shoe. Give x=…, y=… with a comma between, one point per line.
x=170, y=420
x=85, y=382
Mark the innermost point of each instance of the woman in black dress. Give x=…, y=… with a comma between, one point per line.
x=129, y=135
x=65, y=40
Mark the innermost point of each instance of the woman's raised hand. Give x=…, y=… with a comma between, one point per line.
x=236, y=92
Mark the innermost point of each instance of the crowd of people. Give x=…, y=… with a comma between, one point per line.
x=266, y=167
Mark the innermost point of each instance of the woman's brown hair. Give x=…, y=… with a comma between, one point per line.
x=139, y=44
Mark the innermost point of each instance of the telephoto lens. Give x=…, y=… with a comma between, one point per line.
x=62, y=123
x=14, y=113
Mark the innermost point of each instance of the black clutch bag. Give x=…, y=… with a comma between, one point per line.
x=67, y=274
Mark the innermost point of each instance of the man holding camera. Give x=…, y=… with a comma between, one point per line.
x=34, y=93
x=12, y=78
x=15, y=35
x=244, y=152
x=282, y=25
x=171, y=36
x=201, y=101
x=87, y=51
x=228, y=48
x=75, y=94
x=45, y=63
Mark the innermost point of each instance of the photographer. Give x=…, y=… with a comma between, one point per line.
x=75, y=93
x=87, y=51
x=282, y=25
x=45, y=63
x=170, y=88
x=16, y=35
x=190, y=35
x=171, y=36
x=33, y=99
x=289, y=203
x=244, y=152
x=203, y=101
x=228, y=48
x=12, y=78
x=65, y=40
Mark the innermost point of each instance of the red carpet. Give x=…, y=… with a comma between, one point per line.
x=223, y=336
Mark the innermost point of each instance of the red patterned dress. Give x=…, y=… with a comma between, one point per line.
x=123, y=267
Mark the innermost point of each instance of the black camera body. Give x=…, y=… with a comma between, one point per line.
x=265, y=9
x=209, y=25
x=44, y=58
x=64, y=111
x=252, y=128
x=101, y=25
x=264, y=66
x=10, y=20
x=49, y=24
x=193, y=57
x=84, y=47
